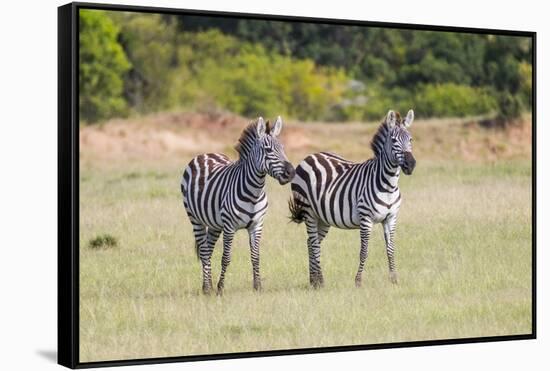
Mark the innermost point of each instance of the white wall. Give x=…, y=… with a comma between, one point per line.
x=28, y=181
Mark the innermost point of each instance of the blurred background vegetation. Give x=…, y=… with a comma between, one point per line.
x=139, y=63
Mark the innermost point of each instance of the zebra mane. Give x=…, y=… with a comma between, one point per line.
x=248, y=137
x=377, y=143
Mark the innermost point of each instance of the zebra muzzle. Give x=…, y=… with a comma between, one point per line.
x=288, y=174
x=409, y=163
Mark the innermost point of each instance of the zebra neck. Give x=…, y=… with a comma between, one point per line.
x=253, y=178
x=387, y=173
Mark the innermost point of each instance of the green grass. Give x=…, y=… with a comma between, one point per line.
x=463, y=256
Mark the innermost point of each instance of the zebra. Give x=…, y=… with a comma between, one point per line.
x=224, y=196
x=329, y=190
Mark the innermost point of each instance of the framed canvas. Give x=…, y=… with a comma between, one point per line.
x=242, y=185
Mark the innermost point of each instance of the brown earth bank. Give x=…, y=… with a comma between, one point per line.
x=180, y=136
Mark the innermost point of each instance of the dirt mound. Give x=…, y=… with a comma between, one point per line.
x=158, y=135
x=181, y=136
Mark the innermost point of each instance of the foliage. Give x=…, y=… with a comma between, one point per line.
x=210, y=70
x=391, y=59
x=103, y=64
x=526, y=83
x=151, y=44
x=509, y=68
x=428, y=100
x=252, y=82
x=444, y=100
x=103, y=241
x=509, y=107
x=305, y=71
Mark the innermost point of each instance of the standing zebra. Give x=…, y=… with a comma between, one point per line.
x=331, y=191
x=220, y=195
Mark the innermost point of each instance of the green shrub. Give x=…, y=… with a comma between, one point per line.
x=246, y=79
x=307, y=92
x=103, y=241
x=103, y=64
x=149, y=63
x=440, y=100
x=509, y=107
x=444, y=100
x=377, y=105
x=526, y=84
x=151, y=43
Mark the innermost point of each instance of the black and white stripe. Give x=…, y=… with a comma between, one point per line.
x=331, y=191
x=224, y=196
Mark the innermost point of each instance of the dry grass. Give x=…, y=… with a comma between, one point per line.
x=464, y=250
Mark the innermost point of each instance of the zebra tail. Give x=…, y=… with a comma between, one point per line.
x=297, y=212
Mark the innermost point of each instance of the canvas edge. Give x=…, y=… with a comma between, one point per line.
x=67, y=206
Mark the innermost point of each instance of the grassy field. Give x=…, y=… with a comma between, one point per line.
x=463, y=247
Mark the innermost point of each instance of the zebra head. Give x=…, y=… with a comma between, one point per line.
x=273, y=159
x=399, y=142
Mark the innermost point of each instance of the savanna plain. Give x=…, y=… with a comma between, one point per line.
x=463, y=241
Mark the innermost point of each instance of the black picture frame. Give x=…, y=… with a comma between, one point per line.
x=68, y=186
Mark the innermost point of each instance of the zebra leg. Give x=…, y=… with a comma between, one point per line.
x=255, y=235
x=205, y=256
x=389, y=233
x=366, y=227
x=314, y=249
x=226, y=257
x=322, y=230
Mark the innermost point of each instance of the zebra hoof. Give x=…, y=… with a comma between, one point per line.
x=358, y=282
x=257, y=286
x=220, y=289
x=317, y=283
x=207, y=290
x=393, y=277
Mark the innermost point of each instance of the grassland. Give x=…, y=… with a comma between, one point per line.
x=463, y=246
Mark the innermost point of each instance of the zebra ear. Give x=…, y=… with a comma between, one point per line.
x=391, y=118
x=261, y=127
x=409, y=119
x=277, y=127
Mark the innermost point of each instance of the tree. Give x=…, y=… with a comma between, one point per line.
x=101, y=69
x=304, y=70
x=151, y=43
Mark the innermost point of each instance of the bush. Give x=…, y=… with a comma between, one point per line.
x=440, y=100
x=509, y=107
x=444, y=100
x=152, y=45
x=246, y=79
x=159, y=62
x=377, y=105
x=103, y=64
x=305, y=91
x=526, y=84
x=103, y=241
